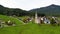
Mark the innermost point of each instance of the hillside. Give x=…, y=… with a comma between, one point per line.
x=31, y=29
x=12, y=11
x=51, y=10
x=48, y=10
x=12, y=19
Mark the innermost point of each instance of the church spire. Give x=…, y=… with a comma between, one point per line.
x=36, y=18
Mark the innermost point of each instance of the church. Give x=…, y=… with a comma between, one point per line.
x=41, y=20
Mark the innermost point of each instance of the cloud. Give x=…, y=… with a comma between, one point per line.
x=8, y=3
x=28, y=4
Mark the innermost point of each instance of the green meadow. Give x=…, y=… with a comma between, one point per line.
x=30, y=28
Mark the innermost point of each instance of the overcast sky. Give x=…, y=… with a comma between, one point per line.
x=28, y=4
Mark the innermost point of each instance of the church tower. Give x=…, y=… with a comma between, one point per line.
x=37, y=20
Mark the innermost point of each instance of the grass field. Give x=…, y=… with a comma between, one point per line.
x=29, y=28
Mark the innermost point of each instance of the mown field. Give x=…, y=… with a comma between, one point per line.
x=30, y=28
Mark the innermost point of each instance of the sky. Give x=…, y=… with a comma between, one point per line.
x=28, y=4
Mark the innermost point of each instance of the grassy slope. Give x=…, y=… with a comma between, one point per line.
x=10, y=30
x=30, y=28
x=6, y=18
x=42, y=29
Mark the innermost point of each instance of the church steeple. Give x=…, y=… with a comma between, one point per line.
x=36, y=18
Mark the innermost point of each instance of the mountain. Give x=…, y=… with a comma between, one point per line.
x=51, y=10
x=12, y=11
